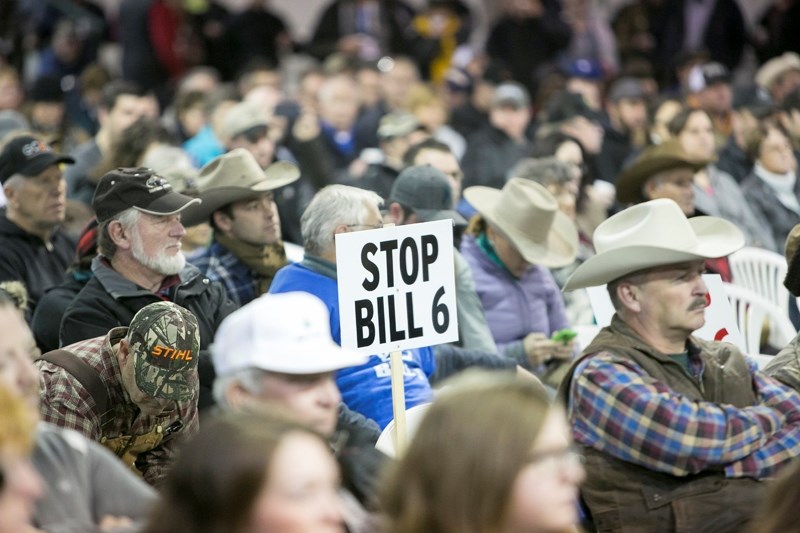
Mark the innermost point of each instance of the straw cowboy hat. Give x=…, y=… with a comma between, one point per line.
x=527, y=214
x=236, y=176
x=652, y=234
x=653, y=159
x=242, y=117
x=776, y=67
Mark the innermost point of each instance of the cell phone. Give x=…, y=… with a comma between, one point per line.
x=563, y=335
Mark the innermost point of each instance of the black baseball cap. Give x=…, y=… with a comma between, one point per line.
x=627, y=88
x=567, y=105
x=141, y=188
x=706, y=75
x=28, y=156
x=754, y=98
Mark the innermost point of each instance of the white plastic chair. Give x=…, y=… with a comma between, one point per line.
x=586, y=333
x=761, y=271
x=413, y=418
x=752, y=311
x=761, y=360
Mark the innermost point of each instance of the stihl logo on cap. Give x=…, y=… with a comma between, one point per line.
x=34, y=148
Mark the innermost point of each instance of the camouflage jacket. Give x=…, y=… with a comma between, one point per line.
x=66, y=403
x=785, y=367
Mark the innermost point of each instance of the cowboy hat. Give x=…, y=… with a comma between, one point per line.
x=527, y=214
x=236, y=176
x=652, y=234
x=653, y=159
x=776, y=67
x=243, y=117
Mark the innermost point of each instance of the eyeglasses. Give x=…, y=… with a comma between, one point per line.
x=379, y=225
x=568, y=456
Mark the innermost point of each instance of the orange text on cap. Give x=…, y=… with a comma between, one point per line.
x=171, y=353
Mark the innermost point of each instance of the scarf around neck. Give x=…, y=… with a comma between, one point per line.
x=263, y=260
x=782, y=184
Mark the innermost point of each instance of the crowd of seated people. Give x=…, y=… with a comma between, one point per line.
x=174, y=175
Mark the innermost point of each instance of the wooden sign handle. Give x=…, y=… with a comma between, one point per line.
x=398, y=403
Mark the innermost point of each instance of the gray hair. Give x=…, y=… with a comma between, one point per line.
x=333, y=206
x=544, y=171
x=105, y=244
x=248, y=378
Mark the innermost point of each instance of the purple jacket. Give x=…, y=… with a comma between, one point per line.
x=514, y=307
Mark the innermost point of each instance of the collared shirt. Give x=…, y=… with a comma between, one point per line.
x=219, y=264
x=618, y=409
x=66, y=403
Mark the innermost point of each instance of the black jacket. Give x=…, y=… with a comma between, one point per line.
x=109, y=300
x=616, y=150
x=378, y=178
x=490, y=155
x=27, y=258
x=734, y=161
x=339, y=20
x=528, y=46
x=724, y=37
x=46, y=321
x=361, y=462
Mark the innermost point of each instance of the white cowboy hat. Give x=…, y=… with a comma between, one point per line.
x=236, y=176
x=652, y=234
x=527, y=214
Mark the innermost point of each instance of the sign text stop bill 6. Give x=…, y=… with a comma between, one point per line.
x=397, y=287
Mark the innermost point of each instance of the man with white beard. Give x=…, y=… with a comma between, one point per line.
x=140, y=262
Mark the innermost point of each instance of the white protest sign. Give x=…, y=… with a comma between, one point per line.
x=720, y=320
x=397, y=287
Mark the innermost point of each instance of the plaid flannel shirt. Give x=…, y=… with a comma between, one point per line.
x=219, y=264
x=618, y=409
x=66, y=403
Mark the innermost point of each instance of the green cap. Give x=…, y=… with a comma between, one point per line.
x=165, y=342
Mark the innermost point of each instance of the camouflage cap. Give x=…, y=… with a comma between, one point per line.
x=165, y=341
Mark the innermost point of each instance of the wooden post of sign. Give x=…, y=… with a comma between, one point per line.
x=398, y=403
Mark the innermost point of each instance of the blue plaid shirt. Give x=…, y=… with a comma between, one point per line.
x=219, y=264
x=618, y=409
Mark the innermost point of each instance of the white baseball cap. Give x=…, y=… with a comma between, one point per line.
x=288, y=333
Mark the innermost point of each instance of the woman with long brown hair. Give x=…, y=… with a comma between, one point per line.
x=489, y=457
x=254, y=474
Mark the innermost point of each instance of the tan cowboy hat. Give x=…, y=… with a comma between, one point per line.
x=528, y=216
x=651, y=161
x=242, y=117
x=776, y=67
x=236, y=176
x=651, y=234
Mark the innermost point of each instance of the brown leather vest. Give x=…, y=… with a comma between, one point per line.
x=626, y=497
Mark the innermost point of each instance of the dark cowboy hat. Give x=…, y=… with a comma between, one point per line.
x=651, y=161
